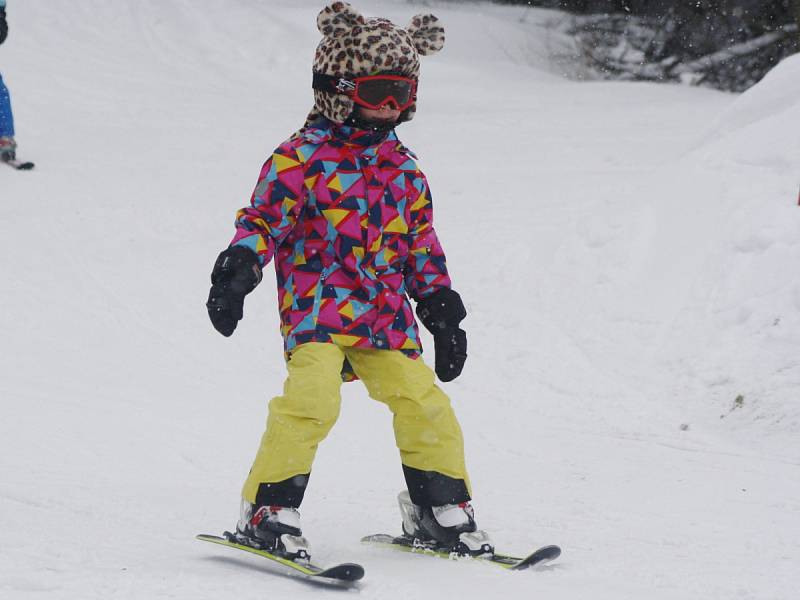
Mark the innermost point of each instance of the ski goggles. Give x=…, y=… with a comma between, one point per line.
x=373, y=91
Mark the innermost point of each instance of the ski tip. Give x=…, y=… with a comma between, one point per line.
x=551, y=552
x=343, y=572
x=19, y=165
x=542, y=556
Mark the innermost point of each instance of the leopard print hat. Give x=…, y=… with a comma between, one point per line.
x=357, y=46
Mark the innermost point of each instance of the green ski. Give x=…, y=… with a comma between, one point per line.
x=543, y=555
x=343, y=574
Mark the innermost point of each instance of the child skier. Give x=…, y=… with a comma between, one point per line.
x=345, y=212
x=7, y=144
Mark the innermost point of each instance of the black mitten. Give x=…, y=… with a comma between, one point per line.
x=441, y=313
x=450, y=346
x=236, y=273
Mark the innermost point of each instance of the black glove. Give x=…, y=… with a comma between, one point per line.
x=441, y=313
x=3, y=25
x=236, y=273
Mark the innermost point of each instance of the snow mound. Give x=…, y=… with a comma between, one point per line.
x=731, y=340
x=760, y=127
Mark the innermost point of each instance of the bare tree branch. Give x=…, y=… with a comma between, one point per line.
x=742, y=49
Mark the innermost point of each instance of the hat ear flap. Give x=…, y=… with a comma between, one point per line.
x=334, y=107
x=338, y=19
x=427, y=33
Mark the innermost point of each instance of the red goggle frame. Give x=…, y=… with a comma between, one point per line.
x=373, y=91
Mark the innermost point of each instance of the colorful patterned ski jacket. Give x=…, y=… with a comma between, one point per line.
x=347, y=215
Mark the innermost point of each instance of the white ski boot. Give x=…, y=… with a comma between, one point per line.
x=448, y=527
x=8, y=148
x=275, y=529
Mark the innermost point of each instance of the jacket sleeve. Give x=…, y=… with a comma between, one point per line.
x=426, y=267
x=276, y=202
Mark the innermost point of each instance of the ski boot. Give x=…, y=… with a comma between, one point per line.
x=8, y=148
x=275, y=529
x=450, y=527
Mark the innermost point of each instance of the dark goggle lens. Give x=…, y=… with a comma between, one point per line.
x=376, y=91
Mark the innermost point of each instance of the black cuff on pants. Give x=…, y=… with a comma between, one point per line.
x=288, y=492
x=429, y=488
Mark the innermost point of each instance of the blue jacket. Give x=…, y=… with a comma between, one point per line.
x=6, y=119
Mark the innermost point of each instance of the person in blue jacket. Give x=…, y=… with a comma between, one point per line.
x=7, y=144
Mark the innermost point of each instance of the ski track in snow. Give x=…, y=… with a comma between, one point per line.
x=627, y=253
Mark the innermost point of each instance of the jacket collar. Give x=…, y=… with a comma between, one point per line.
x=324, y=130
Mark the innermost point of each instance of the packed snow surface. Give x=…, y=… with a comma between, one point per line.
x=628, y=254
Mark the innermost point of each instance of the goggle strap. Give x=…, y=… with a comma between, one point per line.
x=332, y=84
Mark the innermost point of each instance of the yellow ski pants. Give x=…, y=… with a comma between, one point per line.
x=426, y=430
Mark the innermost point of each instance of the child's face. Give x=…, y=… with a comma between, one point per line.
x=384, y=113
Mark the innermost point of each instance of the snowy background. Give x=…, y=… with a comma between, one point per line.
x=628, y=254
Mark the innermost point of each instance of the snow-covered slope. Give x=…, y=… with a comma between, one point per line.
x=627, y=253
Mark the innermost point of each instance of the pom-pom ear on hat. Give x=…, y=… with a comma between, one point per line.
x=338, y=19
x=427, y=33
